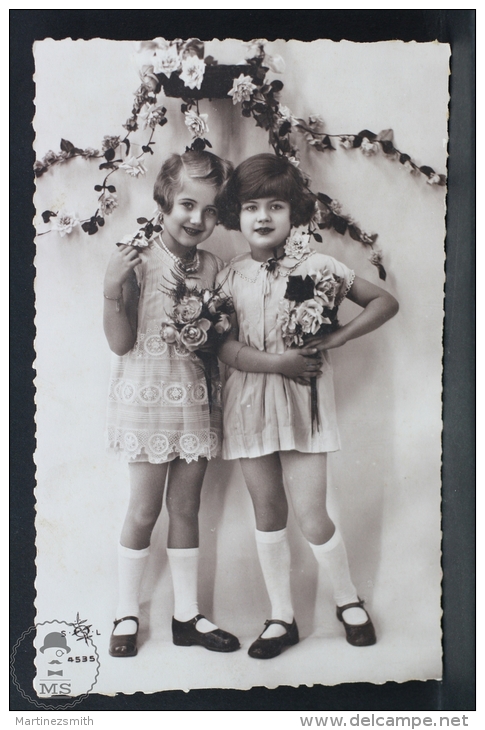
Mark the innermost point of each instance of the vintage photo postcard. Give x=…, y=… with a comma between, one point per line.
x=306, y=529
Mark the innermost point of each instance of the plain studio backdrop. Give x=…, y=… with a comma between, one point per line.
x=384, y=485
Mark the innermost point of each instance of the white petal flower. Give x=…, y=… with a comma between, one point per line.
x=297, y=245
x=193, y=69
x=133, y=166
x=242, y=89
x=197, y=123
x=369, y=148
x=65, y=222
x=166, y=60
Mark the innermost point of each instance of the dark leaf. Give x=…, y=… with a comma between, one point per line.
x=67, y=146
x=354, y=232
x=77, y=151
x=427, y=170
x=157, y=229
x=208, y=144
x=324, y=198
x=340, y=224
x=126, y=142
x=210, y=61
x=404, y=158
x=109, y=154
x=111, y=188
x=382, y=272
x=198, y=145
x=388, y=147
x=246, y=112
x=99, y=220
x=98, y=188
x=284, y=145
x=148, y=230
x=164, y=111
x=317, y=237
x=106, y=166
x=163, y=121
x=183, y=108
x=284, y=129
x=90, y=227
x=357, y=141
x=442, y=180
x=370, y=135
x=260, y=108
x=47, y=215
x=141, y=220
x=277, y=85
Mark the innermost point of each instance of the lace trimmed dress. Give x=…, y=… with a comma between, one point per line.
x=158, y=407
x=264, y=413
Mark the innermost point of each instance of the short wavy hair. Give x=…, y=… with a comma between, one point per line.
x=266, y=176
x=202, y=166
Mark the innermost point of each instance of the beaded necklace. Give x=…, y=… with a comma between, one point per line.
x=187, y=265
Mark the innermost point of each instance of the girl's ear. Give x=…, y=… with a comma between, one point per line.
x=159, y=218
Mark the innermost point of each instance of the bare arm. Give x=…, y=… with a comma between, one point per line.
x=378, y=306
x=121, y=300
x=295, y=363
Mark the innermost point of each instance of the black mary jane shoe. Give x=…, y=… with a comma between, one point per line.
x=185, y=633
x=269, y=648
x=357, y=634
x=124, y=644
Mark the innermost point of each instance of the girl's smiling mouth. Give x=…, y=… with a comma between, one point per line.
x=264, y=231
x=192, y=231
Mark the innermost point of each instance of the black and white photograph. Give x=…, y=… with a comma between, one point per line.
x=239, y=292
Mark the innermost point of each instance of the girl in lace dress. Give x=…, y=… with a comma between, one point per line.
x=159, y=417
x=269, y=417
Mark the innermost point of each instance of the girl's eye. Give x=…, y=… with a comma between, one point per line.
x=187, y=205
x=211, y=211
x=249, y=208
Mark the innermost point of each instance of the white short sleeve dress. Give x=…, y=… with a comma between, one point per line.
x=264, y=413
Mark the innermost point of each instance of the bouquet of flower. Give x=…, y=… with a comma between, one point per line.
x=200, y=318
x=309, y=310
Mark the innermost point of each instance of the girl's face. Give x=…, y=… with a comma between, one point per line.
x=192, y=218
x=265, y=224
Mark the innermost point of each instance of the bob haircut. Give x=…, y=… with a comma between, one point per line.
x=267, y=176
x=202, y=166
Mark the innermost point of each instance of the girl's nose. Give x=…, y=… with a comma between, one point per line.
x=263, y=214
x=196, y=217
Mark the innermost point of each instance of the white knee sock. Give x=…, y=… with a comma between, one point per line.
x=274, y=557
x=184, y=564
x=131, y=566
x=332, y=555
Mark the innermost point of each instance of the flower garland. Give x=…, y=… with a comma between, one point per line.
x=182, y=70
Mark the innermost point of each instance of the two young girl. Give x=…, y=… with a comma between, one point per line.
x=163, y=428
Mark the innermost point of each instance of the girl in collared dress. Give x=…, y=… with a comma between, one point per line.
x=267, y=399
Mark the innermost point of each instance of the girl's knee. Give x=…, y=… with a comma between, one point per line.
x=317, y=528
x=183, y=508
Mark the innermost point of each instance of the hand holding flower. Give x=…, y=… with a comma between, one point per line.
x=304, y=362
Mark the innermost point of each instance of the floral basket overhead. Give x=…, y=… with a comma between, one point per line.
x=179, y=69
